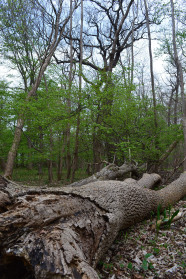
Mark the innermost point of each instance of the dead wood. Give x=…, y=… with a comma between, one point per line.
x=63, y=233
x=110, y=172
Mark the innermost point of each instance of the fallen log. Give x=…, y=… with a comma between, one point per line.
x=110, y=172
x=63, y=233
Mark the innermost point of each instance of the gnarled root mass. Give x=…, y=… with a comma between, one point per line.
x=63, y=233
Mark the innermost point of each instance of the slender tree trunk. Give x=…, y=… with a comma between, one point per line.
x=2, y=164
x=30, y=164
x=68, y=157
x=176, y=107
x=75, y=161
x=13, y=151
x=184, y=112
x=143, y=84
x=97, y=151
x=132, y=45
x=41, y=146
x=180, y=78
x=170, y=107
x=50, y=163
x=60, y=161
x=132, y=55
x=164, y=156
x=151, y=65
x=50, y=171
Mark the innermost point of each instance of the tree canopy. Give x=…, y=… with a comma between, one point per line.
x=47, y=119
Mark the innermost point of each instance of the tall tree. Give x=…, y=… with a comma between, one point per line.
x=179, y=77
x=75, y=161
x=151, y=63
x=53, y=37
x=110, y=29
x=68, y=155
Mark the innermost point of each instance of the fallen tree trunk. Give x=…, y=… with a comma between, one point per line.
x=110, y=172
x=63, y=233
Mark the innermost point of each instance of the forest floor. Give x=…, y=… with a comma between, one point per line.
x=147, y=251
x=142, y=251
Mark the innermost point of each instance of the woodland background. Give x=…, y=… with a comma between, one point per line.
x=100, y=98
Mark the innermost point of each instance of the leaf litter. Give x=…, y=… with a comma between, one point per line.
x=145, y=251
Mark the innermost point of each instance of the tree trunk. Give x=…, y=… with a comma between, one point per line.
x=164, y=156
x=29, y=143
x=179, y=77
x=110, y=172
x=75, y=162
x=13, y=151
x=68, y=132
x=41, y=147
x=64, y=233
x=68, y=156
x=176, y=106
x=2, y=164
x=151, y=65
x=61, y=158
x=50, y=171
x=97, y=151
x=50, y=163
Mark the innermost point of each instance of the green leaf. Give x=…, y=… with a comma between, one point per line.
x=145, y=265
x=130, y=266
x=147, y=255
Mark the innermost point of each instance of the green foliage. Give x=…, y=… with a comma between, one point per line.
x=171, y=217
x=18, y=33
x=146, y=264
x=130, y=266
x=5, y=119
x=167, y=217
x=156, y=251
x=128, y=125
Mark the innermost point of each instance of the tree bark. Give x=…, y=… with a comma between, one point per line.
x=50, y=171
x=76, y=149
x=61, y=158
x=13, y=150
x=2, y=164
x=151, y=64
x=68, y=131
x=110, y=172
x=64, y=233
x=179, y=78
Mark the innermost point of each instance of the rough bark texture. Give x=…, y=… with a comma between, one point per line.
x=13, y=150
x=63, y=233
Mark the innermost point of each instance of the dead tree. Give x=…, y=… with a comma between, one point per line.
x=110, y=172
x=63, y=233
